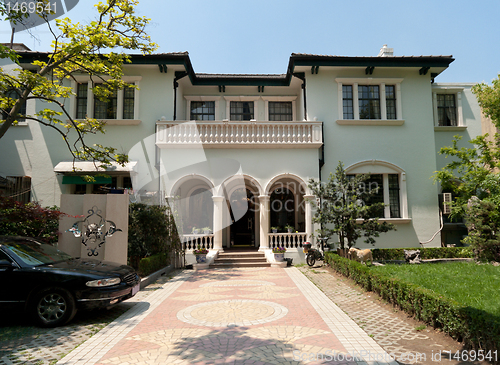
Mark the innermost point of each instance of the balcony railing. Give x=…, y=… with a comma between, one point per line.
x=194, y=241
x=220, y=134
x=287, y=240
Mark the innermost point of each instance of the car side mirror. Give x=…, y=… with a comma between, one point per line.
x=6, y=265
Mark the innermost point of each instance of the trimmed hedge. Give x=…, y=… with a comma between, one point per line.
x=476, y=328
x=425, y=253
x=149, y=265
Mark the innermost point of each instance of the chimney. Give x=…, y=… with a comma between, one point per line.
x=386, y=52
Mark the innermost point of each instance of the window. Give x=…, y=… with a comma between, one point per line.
x=81, y=100
x=241, y=110
x=19, y=188
x=280, y=111
x=390, y=181
x=202, y=110
x=120, y=105
x=369, y=102
x=14, y=94
x=347, y=102
x=446, y=109
x=390, y=101
x=447, y=104
x=363, y=100
x=106, y=109
x=128, y=103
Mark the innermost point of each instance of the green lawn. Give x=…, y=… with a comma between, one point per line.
x=474, y=285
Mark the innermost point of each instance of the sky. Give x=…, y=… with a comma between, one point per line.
x=258, y=36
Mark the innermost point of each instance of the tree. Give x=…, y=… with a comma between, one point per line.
x=95, y=49
x=472, y=172
x=474, y=180
x=489, y=99
x=345, y=208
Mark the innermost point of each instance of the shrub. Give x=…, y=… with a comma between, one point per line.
x=151, y=230
x=476, y=328
x=149, y=265
x=32, y=220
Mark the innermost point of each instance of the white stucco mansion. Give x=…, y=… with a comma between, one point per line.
x=237, y=151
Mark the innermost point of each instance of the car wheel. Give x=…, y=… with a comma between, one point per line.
x=53, y=307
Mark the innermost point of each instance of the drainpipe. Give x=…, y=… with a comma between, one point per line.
x=178, y=75
x=322, y=158
x=302, y=76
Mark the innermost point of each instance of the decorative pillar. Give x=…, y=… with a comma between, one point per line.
x=264, y=222
x=309, y=226
x=218, y=218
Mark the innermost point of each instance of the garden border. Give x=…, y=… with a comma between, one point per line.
x=476, y=328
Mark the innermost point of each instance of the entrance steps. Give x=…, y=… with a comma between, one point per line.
x=240, y=258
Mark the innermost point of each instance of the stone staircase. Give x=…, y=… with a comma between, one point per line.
x=240, y=258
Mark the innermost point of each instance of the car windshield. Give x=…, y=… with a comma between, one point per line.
x=35, y=253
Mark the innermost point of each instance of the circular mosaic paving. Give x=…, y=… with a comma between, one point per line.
x=237, y=283
x=231, y=313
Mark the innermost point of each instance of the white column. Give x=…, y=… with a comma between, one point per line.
x=218, y=217
x=308, y=217
x=264, y=222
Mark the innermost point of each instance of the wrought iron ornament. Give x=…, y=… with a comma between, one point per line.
x=93, y=234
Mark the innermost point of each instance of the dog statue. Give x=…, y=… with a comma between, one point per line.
x=362, y=256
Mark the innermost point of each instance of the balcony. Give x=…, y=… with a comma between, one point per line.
x=223, y=134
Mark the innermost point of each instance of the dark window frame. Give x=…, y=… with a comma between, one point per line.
x=447, y=114
x=241, y=110
x=347, y=102
x=369, y=102
x=280, y=111
x=207, y=110
x=390, y=102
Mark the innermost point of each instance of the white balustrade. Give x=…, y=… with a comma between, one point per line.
x=287, y=240
x=193, y=241
x=246, y=134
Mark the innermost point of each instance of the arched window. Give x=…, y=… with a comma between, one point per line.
x=282, y=205
x=391, y=183
x=200, y=209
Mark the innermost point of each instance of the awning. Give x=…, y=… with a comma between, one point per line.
x=80, y=180
x=88, y=167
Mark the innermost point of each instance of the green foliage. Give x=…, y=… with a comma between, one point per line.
x=425, y=253
x=151, y=231
x=489, y=99
x=151, y=264
x=474, y=179
x=31, y=220
x=483, y=220
x=477, y=328
x=95, y=49
x=343, y=207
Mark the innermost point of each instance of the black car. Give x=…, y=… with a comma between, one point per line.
x=51, y=285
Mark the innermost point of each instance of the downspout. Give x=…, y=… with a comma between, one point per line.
x=302, y=76
x=178, y=75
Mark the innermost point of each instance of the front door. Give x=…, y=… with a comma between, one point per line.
x=243, y=218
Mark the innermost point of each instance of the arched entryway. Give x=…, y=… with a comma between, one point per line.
x=243, y=208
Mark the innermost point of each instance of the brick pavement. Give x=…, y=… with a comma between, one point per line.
x=237, y=316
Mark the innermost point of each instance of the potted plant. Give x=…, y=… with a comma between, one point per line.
x=206, y=230
x=279, y=253
x=274, y=229
x=196, y=230
x=289, y=228
x=201, y=255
